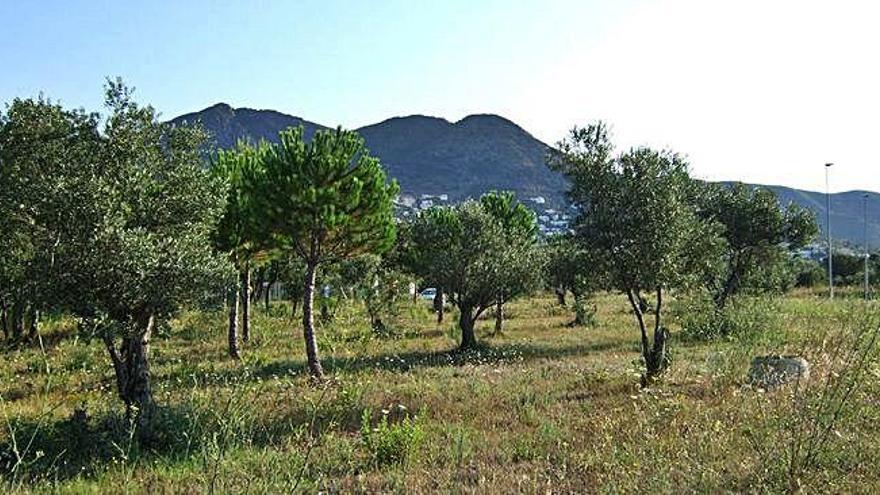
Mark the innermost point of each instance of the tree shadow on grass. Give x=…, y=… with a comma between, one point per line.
x=403, y=362
x=84, y=446
x=36, y=450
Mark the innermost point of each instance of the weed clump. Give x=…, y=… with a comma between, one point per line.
x=389, y=441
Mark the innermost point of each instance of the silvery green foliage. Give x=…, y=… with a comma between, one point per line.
x=107, y=222
x=114, y=223
x=46, y=153
x=521, y=262
x=758, y=236
x=465, y=250
x=638, y=222
x=148, y=249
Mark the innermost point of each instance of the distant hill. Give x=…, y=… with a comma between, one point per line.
x=430, y=155
x=847, y=213
x=426, y=155
x=465, y=158
x=227, y=125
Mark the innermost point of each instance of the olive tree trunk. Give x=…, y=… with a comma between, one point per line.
x=266, y=295
x=232, y=334
x=654, y=354
x=132, y=368
x=309, y=321
x=560, y=295
x=438, y=305
x=466, y=321
x=246, y=304
x=499, y=316
x=4, y=320
x=33, y=323
x=659, y=360
x=17, y=320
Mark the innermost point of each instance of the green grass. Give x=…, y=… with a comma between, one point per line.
x=544, y=407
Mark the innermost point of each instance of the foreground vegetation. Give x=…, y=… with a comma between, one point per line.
x=129, y=232
x=543, y=406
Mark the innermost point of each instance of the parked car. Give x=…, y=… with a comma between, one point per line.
x=428, y=293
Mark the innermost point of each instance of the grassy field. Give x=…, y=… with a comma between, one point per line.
x=545, y=407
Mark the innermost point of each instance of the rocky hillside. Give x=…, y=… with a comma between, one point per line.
x=430, y=155
x=427, y=155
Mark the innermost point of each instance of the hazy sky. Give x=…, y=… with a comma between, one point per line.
x=761, y=91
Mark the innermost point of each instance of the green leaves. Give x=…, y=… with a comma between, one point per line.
x=327, y=199
x=47, y=163
x=119, y=219
x=238, y=231
x=757, y=235
x=636, y=219
x=476, y=251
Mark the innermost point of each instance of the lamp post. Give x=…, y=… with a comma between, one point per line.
x=867, y=250
x=828, y=228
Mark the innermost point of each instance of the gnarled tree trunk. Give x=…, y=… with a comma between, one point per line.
x=17, y=320
x=266, y=295
x=132, y=367
x=4, y=319
x=560, y=295
x=659, y=360
x=466, y=322
x=309, y=321
x=654, y=355
x=33, y=323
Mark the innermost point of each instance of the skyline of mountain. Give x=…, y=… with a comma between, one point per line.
x=481, y=152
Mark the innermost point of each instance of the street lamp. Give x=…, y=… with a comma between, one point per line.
x=828, y=227
x=867, y=250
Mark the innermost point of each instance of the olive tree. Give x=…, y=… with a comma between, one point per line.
x=568, y=268
x=150, y=250
x=325, y=201
x=463, y=250
x=46, y=159
x=520, y=260
x=637, y=221
x=759, y=235
x=122, y=221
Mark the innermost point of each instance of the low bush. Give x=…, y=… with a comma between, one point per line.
x=745, y=317
x=391, y=442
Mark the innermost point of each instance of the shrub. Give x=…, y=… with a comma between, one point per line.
x=743, y=318
x=390, y=442
x=808, y=272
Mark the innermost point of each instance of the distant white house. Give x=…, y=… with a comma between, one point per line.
x=438, y=197
x=538, y=200
x=406, y=200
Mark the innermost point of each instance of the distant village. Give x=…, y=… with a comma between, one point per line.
x=550, y=220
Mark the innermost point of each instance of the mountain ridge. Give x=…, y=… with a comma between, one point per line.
x=483, y=151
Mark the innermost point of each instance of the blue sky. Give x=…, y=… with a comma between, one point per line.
x=750, y=90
